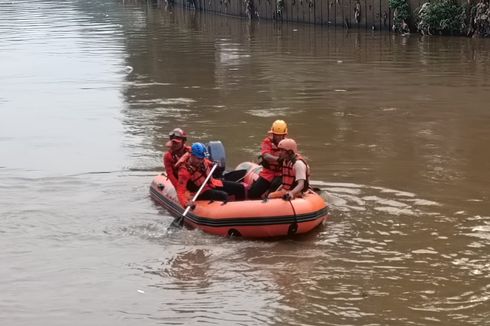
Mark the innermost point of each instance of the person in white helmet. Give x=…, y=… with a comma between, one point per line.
x=295, y=171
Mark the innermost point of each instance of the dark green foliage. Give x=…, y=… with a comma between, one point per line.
x=401, y=14
x=479, y=20
x=441, y=17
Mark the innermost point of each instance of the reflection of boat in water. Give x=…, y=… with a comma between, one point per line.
x=249, y=218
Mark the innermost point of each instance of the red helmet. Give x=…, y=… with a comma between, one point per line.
x=178, y=133
x=288, y=144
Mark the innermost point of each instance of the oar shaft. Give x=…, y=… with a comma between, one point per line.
x=201, y=188
x=178, y=221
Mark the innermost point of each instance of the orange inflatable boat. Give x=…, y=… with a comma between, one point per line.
x=249, y=218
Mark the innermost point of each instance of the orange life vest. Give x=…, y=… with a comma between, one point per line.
x=199, y=174
x=274, y=165
x=177, y=156
x=289, y=174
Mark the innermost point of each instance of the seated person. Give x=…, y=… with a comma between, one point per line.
x=193, y=170
x=295, y=171
x=176, y=149
x=270, y=175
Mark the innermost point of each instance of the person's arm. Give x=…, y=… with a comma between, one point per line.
x=270, y=158
x=296, y=190
x=266, y=152
x=169, y=169
x=300, y=173
x=182, y=186
x=212, y=180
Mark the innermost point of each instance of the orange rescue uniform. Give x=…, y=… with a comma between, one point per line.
x=170, y=160
x=191, y=178
x=270, y=169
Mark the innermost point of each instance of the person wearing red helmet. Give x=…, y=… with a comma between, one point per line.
x=193, y=170
x=295, y=171
x=176, y=149
x=270, y=175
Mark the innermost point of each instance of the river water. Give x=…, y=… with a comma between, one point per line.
x=396, y=130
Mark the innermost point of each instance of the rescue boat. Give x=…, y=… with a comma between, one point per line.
x=249, y=218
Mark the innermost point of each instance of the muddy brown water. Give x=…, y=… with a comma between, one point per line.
x=396, y=130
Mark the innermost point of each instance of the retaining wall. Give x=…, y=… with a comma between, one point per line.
x=369, y=14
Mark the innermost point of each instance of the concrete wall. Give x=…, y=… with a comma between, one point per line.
x=372, y=14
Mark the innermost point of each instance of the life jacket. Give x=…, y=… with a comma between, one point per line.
x=273, y=166
x=289, y=174
x=177, y=156
x=198, y=175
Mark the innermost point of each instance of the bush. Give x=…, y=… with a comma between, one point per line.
x=401, y=13
x=480, y=18
x=441, y=17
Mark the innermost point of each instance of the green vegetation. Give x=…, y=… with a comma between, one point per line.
x=401, y=14
x=445, y=17
x=479, y=19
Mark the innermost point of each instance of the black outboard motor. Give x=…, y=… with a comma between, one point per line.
x=217, y=154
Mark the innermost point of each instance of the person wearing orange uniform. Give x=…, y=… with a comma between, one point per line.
x=176, y=149
x=295, y=171
x=270, y=175
x=193, y=170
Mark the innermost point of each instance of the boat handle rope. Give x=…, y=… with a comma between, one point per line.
x=293, y=228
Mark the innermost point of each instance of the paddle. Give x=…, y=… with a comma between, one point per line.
x=179, y=221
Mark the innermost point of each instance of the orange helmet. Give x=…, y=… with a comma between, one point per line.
x=279, y=127
x=288, y=144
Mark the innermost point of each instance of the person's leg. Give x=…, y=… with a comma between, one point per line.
x=276, y=182
x=258, y=188
x=234, y=188
x=214, y=194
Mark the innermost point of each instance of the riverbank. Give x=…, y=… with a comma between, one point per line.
x=441, y=17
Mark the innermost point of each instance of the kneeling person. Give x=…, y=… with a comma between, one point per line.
x=295, y=171
x=194, y=169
